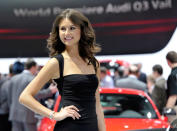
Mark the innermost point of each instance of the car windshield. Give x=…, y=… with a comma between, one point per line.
x=126, y=106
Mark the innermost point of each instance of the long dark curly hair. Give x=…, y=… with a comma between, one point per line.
x=87, y=45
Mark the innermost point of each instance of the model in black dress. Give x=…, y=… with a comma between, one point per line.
x=78, y=90
x=72, y=34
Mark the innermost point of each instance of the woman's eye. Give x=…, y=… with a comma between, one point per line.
x=72, y=28
x=62, y=28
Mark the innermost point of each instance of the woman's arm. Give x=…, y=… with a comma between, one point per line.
x=49, y=71
x=99, y=110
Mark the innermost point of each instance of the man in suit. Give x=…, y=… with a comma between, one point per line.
x=22, y=118
x=141, y=75
x=14, y=69
x=4, y=110
x=105, y=79
x=157, y=73
x=159, y=92
x=132, y=81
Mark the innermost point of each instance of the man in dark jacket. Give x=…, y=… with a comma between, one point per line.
x=172, y=82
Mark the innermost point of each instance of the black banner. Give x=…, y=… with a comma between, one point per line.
x=121, y=26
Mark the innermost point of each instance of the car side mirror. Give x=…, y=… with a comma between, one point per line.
x=168, y=112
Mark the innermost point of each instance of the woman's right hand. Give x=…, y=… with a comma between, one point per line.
x=68, y=111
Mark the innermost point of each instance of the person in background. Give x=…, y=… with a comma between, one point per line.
x=2, y=79
x=141, y=75
x=14, y=69
x=106, y=80
x=126, y=71
x=21, y=117
x=118, y=74
x=48, y=100
x=157, y=73
x=4, y=108
x=132, y=81
x=171, y=58
x=157, y=93
x=150, y=84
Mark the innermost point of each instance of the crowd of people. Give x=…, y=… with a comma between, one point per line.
x=163, y=92
x=13, y=115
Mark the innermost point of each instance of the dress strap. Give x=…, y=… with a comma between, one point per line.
x=59, y=81
x=61, y=64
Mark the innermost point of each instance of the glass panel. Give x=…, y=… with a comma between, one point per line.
x=127, y=106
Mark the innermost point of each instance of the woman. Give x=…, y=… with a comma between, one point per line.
x=76, y=71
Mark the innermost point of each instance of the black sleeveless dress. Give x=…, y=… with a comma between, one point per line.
x=78, y=90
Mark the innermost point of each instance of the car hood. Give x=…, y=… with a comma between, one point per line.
x=117, y=124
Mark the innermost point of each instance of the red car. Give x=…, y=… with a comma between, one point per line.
x=124, y=109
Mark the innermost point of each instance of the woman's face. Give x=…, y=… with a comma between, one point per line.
x=69, y=33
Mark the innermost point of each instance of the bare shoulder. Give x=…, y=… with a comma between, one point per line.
x=51, y=68
x=53, y=62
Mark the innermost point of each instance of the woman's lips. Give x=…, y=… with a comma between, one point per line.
x=68, y=38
